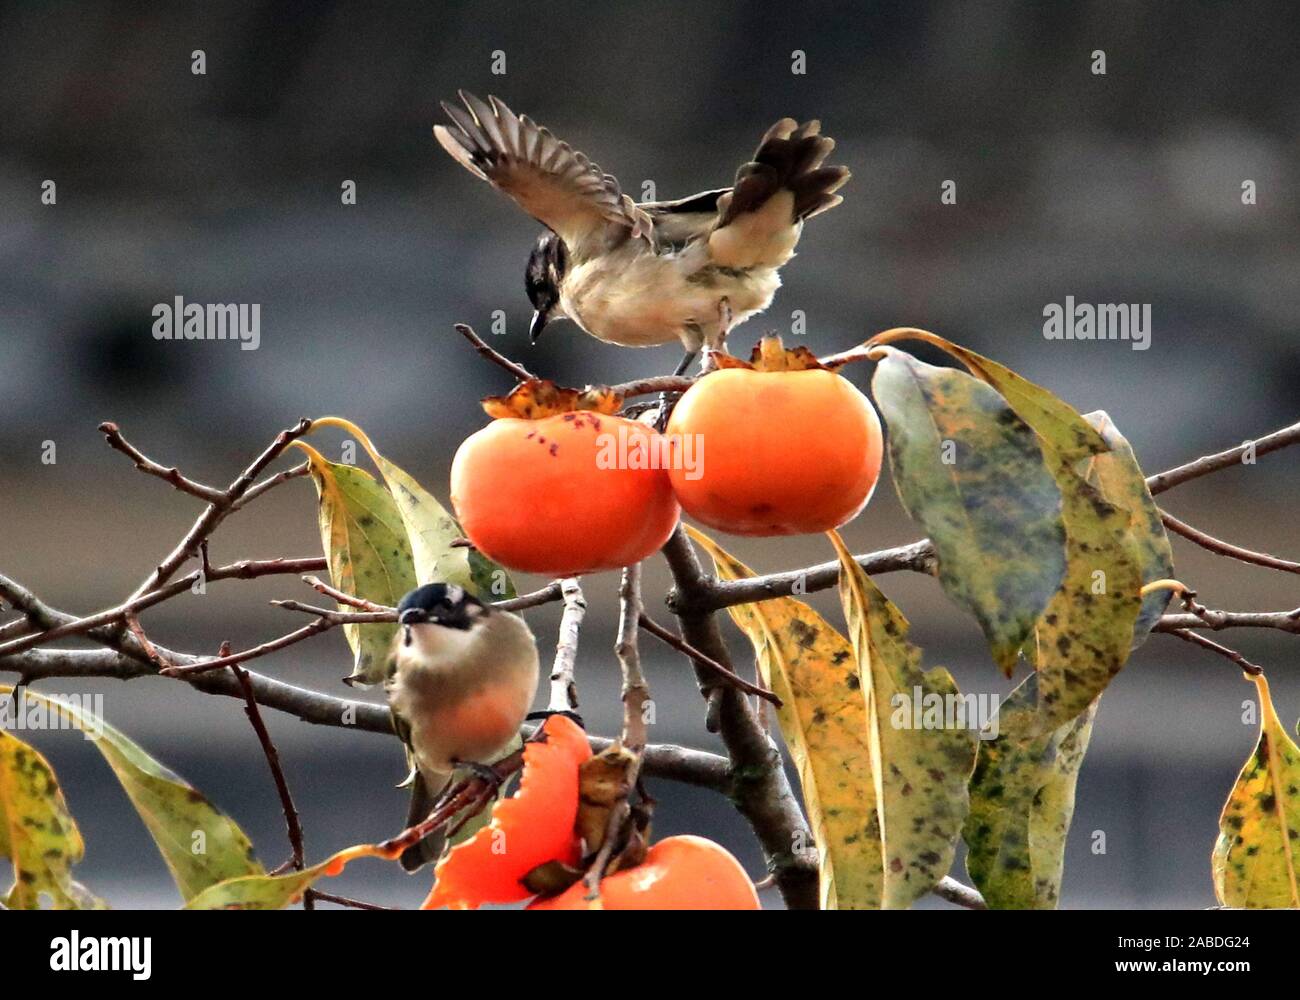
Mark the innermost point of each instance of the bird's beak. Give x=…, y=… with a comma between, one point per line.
x=540, y=318
x=413, y=616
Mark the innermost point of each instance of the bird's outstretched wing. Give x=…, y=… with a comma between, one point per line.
x=547, y=178
x=760, y=219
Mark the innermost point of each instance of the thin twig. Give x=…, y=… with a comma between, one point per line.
x=150, y=650
x=682, y=646
x=564, y=690
x=348, y=901
x=1285, y=621
x=1187, y=635
x=517, y=370
x=113, y=435
x=246, y=569
x=292, y=824
x=1203, y=466
x=1217, y=545
x=321, y=587
x=321, y=624
x=218, y=509
x=270, y=483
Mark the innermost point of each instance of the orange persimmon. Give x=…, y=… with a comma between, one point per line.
x=678, y=873
x=530, y=828
x=786, y=446
x=558, y=485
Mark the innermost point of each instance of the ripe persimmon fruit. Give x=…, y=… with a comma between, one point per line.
x=786, y=445
x=678, y=873
x=558, y=485
x=529, y=828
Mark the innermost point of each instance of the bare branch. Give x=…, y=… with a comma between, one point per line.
x=113, y=435
x=292, y=824
x=635, y=690
x=245, y=569
x=270, y=483
x=517, y=370
x=760, y=789
x=564, y=691
x=1199, y=640
x=321, y=624
x=1223, y=548
x=1286, y=621
x=1225, y=459
x=712, y=594
x=679, y=644
x=218, y=509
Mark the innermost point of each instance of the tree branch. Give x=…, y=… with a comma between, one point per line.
x=564, y=690
x=759, y=787
x=1220, y=547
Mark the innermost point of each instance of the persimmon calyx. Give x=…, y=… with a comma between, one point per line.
x=539, y=398
x=771, y=355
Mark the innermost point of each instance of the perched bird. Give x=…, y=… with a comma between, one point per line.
x=644, y=274
x=460, y=682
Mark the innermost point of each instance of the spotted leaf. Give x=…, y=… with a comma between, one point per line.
x=1117, y=476
x=365, y=541
x=199, y=844
x=1022, y=801
x=972, y=474
x=1257, y=855
x=921, y=772
x=275, y=892
x=823, y=720
x=37, y=833
x=432, y=531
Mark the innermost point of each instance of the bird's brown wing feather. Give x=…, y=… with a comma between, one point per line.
x=547, y=178
x=760, y=219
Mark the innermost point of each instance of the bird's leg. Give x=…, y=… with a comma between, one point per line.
x=718, y=340
x=484, y=772
x=546, y=714
x=685, y=363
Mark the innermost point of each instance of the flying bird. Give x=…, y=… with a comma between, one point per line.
x=645, y=274
x=461, y=679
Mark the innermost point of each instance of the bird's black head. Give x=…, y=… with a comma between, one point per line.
x=440, y=604
x=546, y=266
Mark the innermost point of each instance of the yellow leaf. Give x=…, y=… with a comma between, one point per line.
x=823, y=720
x=37, y=832
x=1258, y=849
x=920, y=773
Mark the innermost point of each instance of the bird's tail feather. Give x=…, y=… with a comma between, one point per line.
x=789, y=158
x=430, y=848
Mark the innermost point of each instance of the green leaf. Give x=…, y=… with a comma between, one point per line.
x=823, y=720
x=920, y=774
x=365, y=539
x=275, y=892
x=1257, y=855
x=37, y=833
x=1084, y=636
x=1119, y=479
x=1055, y=421
x=1022, y=801
x=199, y=844
x=972, y=474
x=432, y=530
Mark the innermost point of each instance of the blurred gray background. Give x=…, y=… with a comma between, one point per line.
x=225, y=187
